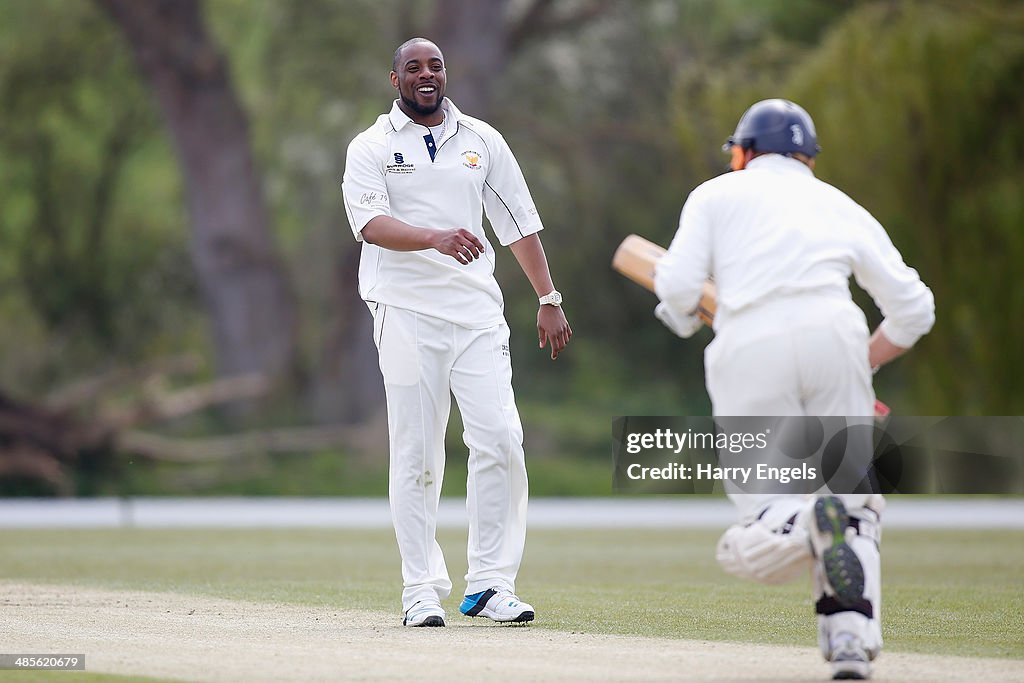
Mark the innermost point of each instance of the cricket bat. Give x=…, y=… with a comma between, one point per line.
x=637, y=257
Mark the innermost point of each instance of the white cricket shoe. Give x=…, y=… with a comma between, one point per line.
x=424, y=613
x=849, y=659
x=498, y=604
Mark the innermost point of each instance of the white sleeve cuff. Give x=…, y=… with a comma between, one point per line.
x=897, y=335
x=682, y=325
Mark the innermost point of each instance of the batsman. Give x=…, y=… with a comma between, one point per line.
x=781, y=246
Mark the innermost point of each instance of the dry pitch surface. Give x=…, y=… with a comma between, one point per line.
x=200, y=638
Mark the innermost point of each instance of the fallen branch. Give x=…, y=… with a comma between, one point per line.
x=158, y=407
x=25, y=462
x=44, y=441
x=90, y=389
x=289, y=440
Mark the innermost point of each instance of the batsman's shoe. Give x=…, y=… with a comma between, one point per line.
x=849, y=659
x=840, y=563
x=499, y=604
x=424, y=613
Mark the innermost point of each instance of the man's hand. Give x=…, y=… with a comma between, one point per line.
x=881, y=350
x=551, y=323
x=459, y=243
x=553, y=327
x=393, y=234
x=683, y=326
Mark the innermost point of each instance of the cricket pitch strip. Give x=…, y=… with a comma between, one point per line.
x=201, y=638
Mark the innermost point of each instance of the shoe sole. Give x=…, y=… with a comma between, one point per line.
x=431, y=621
x=518, y=619
x=843, y=569
x=855, y=671
x=521, y=619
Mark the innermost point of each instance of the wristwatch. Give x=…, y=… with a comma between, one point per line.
x=554, y=298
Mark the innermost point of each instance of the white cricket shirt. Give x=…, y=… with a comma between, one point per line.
x=773, y=229
x=390, y=171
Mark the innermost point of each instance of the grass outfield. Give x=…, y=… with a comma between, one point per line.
x=957, y=593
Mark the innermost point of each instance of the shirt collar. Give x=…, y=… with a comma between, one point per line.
x=779, y=162
x=399, y=118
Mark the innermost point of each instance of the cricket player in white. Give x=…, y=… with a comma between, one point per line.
x=781, y=246
x=416, y=184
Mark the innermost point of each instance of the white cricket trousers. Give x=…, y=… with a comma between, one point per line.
x=424, y=360
x=803, y=354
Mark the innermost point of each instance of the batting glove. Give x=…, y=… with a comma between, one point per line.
x=682, y=325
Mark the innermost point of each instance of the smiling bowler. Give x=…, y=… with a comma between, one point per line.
x=416, y=185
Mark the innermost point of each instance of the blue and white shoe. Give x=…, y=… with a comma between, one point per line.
x=497, y=604
x=424, y=613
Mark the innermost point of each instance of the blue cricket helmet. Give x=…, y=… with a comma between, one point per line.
x=777, y=126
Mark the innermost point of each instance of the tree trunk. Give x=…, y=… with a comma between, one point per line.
x=479, y=39
x=473, y=36
x=244, y=288
x=348, y=387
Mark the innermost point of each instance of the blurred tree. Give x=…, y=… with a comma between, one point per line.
x=309, y=98
x=90, y=274
x=922, y=107
x=919, y=109
x=479, y=39
x=615, y=111
x=61, y=234
x=242, y=279
x=314, y=96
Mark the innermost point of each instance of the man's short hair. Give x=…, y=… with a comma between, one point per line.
x=398, y=50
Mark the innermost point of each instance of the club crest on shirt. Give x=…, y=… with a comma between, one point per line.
x=471, y=159
x=400, y=165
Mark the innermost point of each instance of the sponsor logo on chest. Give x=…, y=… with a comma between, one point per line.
x=400, y=165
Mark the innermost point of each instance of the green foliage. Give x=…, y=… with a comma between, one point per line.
x=553, y=472
x=920, y=109
x=918, y=105
x=91, y=247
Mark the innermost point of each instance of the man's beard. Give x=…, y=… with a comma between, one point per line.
x=419, y=108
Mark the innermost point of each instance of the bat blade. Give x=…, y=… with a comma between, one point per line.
x=637, y=257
